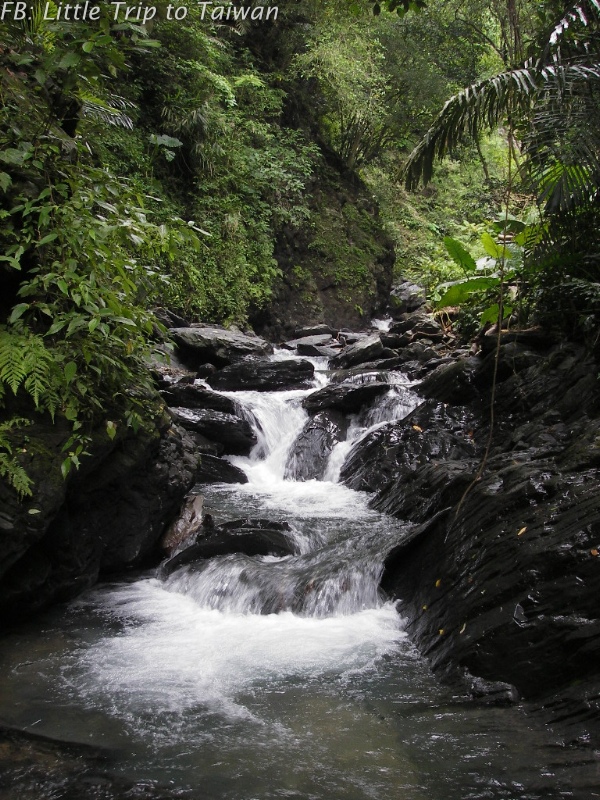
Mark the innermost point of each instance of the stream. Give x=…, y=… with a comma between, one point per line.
x=254, y=678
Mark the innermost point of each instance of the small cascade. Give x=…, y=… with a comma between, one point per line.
x=340, y=541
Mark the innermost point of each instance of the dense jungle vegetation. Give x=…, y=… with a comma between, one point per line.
x=157, y=165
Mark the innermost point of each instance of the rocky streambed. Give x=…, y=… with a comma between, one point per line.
x=494, y=557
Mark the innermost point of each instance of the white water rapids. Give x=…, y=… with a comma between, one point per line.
x=209, y=632
x=266, y=678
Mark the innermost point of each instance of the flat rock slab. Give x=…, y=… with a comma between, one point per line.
x=200, y=344
x=318, y=340
x=217, y=470
x=186, y=395
x=250, y=537
x=235, y=434
x=314, y=330
x=263, y=376
x=366, y=349
x=347, y=397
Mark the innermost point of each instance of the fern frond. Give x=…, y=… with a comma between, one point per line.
x=9, y=466
x=13, y=369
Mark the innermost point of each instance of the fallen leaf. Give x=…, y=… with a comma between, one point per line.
x=417, y=428
x=438, y=583
x=464, y=627
x=425, y=608
x=441, y=631
x=594, y=551
x=522, y=531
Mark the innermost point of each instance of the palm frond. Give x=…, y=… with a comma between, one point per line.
x=482, y=105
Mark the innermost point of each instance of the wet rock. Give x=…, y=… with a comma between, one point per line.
x=346, y=397
x=417, y=322
x=431, y=433
x=185, y=526
x=186, y=395
x=405, y=296
x=217, y=470
x=199, y=344
x=316, y=340
x=263, y=376
x=34, y=767
x=319, y=352
x=107, y=516
x=500, y=581
x=310, y=453
x=366, y=349
x=170, y=319
x=453, y=382
x=251, y=537
x=235, y=434
x=314, y=330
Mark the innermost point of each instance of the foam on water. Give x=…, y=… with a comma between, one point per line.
x=173, y=655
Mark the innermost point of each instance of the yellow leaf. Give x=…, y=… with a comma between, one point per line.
x=417, y=428
x=522, y=531
x=441, y=631
x=438, y=583
x=425, y=608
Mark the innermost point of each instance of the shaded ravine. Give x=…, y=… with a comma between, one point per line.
x=270, y=677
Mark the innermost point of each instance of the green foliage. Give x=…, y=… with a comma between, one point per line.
x=551, y=102
x=10, y=469
x=79, y=255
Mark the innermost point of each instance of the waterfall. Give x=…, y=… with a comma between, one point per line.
x=218, y=626
x=340, y=540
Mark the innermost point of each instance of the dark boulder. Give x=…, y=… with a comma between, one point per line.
x=170, y=319
x=499, y=579
x=405, y=296
x=263, y=376
x=346, y=397
x=310, y=453
x=199, y=344
x=186, y=395
x=318, y=351
x=366, y=349
x=105, y=517
x=452, y=382
x=217, y=470
x=316, y=340
x=419, y=323
x=251, y=537
x=431, y=433
x=235, y=434
x=314, y=330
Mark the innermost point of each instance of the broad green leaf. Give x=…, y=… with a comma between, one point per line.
x=56, y=327
x=50, y=237
x=88, y=46
x=5, y=181
x=459, y=254
x=492, y=248
x=68, y=60
x=491, y=313
x=70, y=370
x=12, y=156
x=18, y=312
x=459, y=292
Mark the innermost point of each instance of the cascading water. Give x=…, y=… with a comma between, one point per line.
x=255, y=678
